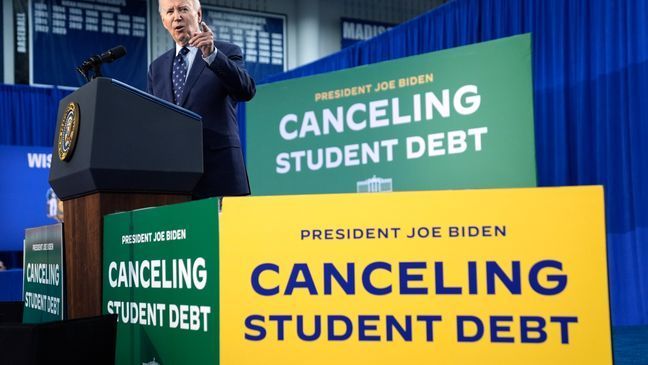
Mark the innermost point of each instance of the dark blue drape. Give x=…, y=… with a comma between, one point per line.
x=28, y=114
x=590, y=71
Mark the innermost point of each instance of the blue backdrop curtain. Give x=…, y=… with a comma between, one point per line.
x=28, y=114
x=590, y=70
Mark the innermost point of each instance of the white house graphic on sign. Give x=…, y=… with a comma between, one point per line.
x=374, y=185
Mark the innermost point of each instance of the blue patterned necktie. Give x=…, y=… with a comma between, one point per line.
x=179, y=74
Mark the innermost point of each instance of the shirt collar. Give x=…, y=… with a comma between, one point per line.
x=192, y=50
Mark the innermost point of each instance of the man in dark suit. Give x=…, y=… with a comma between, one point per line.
x=207, y=77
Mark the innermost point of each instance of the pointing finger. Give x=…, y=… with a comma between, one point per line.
x=204, y=27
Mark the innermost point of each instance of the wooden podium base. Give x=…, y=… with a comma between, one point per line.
x=83, y=244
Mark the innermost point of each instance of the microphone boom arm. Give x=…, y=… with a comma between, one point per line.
x=85, y=68
x=94, y=63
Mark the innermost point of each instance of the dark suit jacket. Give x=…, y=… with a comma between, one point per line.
x=212, y=91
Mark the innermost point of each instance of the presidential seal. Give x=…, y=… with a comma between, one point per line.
x=68, y=131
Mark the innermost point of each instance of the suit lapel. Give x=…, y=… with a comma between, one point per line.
x=196, y=69
x=167, y=64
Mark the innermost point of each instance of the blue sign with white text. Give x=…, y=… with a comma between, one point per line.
x=261, y=36
x=26, y=199
x=65, y=33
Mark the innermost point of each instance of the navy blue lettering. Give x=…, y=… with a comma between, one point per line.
x=366, y=278
x=330, y=322
x=560, y=280
x=564, y=326
x=461, y=336
x=440, y=285
x=405, y=277
x=294, y=282
x=316, y=331
x=405, y=332
x=472, y=277
x=280, y=324
x=363, y=327
x=496, y=328
x=255, y=279
x=429, y=325
x=526, y=328
x=513, y=284
x=251, y=326
x=348, y=284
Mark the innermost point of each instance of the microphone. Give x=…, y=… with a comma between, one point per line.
x=97, y=60
x=112, y=54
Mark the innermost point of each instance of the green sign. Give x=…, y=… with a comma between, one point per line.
x=160, y=276
x=459, y=118
x=43, y=274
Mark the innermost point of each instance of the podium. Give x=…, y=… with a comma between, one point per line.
x=116, y=149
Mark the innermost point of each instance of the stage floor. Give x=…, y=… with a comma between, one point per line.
x=630, y=345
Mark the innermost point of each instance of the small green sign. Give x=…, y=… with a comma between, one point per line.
x=43, y=274
x=160, y=276
x=458, y=118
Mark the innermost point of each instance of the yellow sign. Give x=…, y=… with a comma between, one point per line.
x=510, y=276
